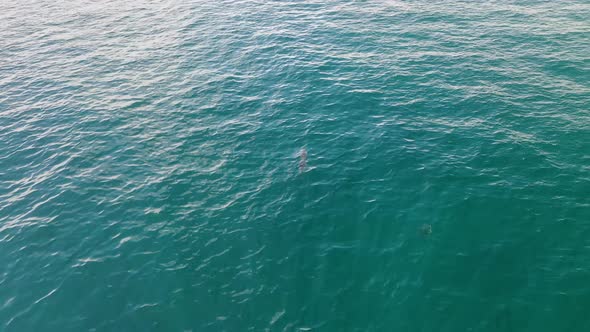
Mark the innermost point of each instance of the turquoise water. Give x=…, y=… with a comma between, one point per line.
x=149, y=165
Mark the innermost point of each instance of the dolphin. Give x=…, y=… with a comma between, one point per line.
x=302, y=159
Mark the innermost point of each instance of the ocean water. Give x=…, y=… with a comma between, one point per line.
x=150, y=151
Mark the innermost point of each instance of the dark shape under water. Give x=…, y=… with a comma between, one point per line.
x=426, y=229
x=302, y=159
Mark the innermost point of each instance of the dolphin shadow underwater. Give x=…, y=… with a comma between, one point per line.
x=302, y=159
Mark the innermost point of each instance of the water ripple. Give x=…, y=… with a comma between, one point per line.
x=149, y=159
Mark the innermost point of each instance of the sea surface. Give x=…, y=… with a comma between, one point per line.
x=151, y=175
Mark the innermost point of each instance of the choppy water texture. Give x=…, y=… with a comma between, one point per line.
x=150, y=179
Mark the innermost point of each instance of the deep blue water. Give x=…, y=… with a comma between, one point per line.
x=150, y=173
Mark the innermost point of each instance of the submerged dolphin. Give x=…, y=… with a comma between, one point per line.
x=302, y=159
